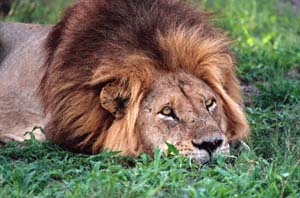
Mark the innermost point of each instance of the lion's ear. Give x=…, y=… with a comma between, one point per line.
x=114, y=97
x=227, y=58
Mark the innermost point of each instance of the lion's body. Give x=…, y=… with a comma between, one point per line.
x=104, y=60
x=21, y=60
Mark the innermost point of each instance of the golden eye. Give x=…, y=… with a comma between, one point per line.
x=167, y=111
x=210, y=105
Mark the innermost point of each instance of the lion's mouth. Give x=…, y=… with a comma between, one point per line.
x=206, y=150
x=209, y=147
x=205, y=153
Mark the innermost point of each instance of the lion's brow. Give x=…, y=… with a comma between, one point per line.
x=187, y=97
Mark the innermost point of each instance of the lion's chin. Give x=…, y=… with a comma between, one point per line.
x=201, y=157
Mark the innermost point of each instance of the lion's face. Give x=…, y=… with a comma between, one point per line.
x=184, y=111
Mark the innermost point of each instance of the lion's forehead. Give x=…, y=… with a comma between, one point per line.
x=181, y=81
x=183, y=90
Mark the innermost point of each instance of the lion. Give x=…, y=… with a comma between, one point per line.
x=123, y=75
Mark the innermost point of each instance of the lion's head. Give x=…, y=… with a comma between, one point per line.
x=184, y=111
x=131, y=75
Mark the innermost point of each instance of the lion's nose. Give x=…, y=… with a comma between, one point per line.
x=210, y=144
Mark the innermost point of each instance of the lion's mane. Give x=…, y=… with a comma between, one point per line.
x=98, y=41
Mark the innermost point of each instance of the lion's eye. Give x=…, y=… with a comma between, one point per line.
x=211, y=105
x=167, y=113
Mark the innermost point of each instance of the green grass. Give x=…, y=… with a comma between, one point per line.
x=36, y=11
x=267, y=37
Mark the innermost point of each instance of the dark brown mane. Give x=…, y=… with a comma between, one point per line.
x=98, y=41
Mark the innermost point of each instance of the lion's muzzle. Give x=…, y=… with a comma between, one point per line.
x=209, y=145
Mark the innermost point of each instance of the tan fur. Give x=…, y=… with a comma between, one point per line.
x=21, y=57
x=138, y=75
